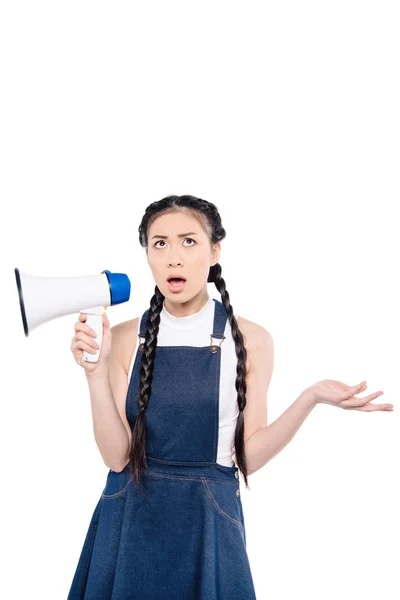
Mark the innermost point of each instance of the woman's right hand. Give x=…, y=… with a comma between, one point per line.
x=84, y=340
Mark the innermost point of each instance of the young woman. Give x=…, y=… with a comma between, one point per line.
x=179, y=409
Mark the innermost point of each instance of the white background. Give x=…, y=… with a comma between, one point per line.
x=285, y=115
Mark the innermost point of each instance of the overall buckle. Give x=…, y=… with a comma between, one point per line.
x=141, y=344
x=214, y=347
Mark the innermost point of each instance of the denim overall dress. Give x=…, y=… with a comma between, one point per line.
x=181, y=535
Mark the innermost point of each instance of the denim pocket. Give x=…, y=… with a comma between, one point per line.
x=225, y=499
x=117, y=483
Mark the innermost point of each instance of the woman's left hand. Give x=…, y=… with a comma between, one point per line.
x=330, y=391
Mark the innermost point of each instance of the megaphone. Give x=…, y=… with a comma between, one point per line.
x=42, y=299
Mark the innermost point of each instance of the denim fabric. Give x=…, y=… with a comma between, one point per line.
x=181, y=536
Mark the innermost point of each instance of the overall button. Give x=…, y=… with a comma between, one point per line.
x=236, y=474
x=237, y=492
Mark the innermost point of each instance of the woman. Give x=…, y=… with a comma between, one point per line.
x=177, y=419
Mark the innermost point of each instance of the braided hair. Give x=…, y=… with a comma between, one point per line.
x=208, y=216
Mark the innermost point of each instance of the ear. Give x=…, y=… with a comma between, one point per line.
x=215, y=254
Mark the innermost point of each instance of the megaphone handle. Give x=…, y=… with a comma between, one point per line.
x=94, y=321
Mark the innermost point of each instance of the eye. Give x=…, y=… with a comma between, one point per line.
x=155, y=245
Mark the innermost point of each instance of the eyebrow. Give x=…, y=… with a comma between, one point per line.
x=165, y=237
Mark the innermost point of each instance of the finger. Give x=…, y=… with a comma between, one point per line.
x=374, y=407
x=353, y=402
x=87, y=338
x=82, y=344
x=85, y=328
x=79, y=358
x=83, y=362
x=351, y=391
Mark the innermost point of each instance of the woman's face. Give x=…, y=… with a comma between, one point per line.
x=178, y=245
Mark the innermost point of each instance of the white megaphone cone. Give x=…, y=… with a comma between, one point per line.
x=45, y=298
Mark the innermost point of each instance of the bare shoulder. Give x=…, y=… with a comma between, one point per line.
x=252, y=329
x=259, y=367
x=124, y=340
x=122, y=347
x=256, y=338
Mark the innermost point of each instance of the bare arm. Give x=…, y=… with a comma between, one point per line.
x=105, y=385
x=268, y=441
x=262, y=441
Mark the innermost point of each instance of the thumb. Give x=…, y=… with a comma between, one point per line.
x=357, y=389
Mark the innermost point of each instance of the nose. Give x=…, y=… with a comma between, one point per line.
x=174, y=259
x=174, y=263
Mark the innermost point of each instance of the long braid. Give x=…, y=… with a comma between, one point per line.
x=240, y=383
x=209, y=218
x=137, y=456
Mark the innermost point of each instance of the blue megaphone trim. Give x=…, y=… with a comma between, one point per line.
x=120, y=287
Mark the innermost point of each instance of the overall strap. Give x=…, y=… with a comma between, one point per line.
x=143, y=324
x=219, y=323
x=220, y=317
x=142, y=330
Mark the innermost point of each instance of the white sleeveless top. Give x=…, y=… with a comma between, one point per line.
x=194, y=330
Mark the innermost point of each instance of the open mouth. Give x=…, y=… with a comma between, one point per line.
x=176, y=280
x=176, y=283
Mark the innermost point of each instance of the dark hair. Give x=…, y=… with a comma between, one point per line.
x=208, y=216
